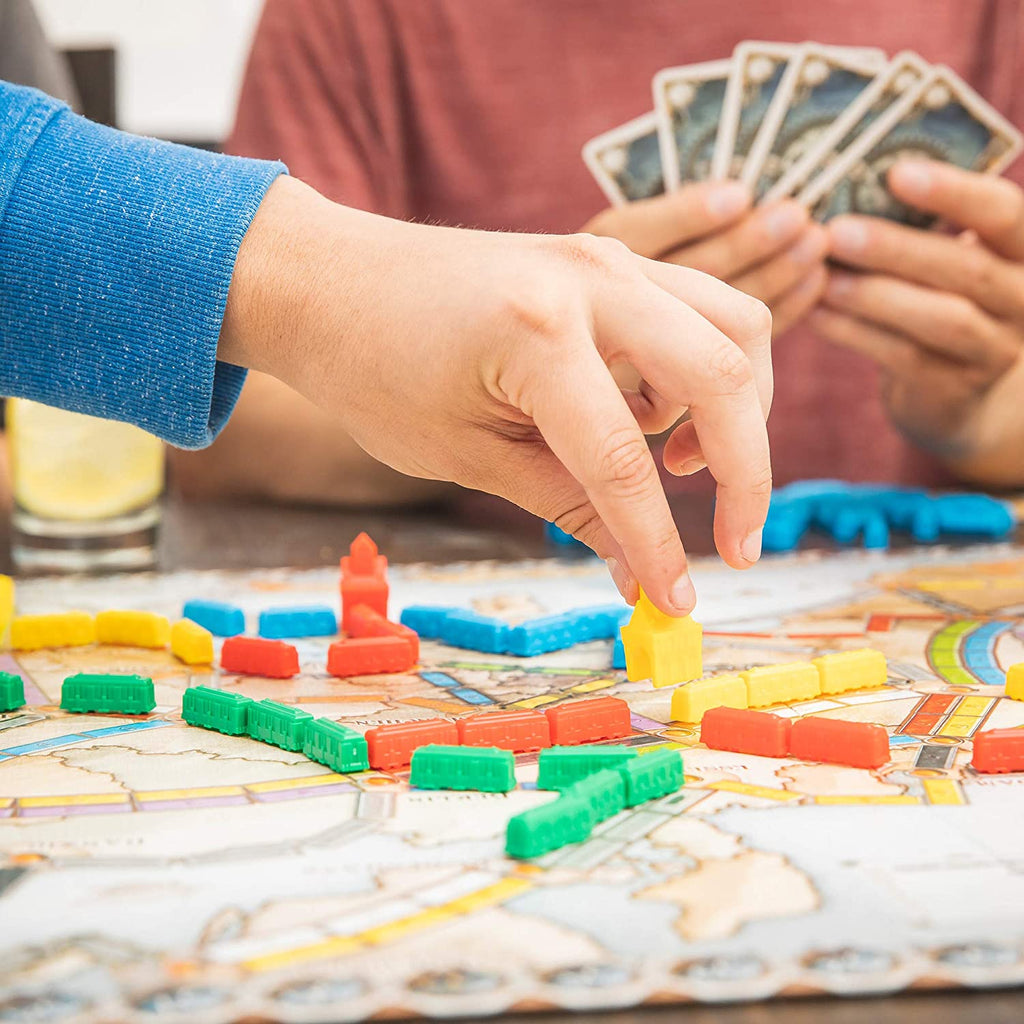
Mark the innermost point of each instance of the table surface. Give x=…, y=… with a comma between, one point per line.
x=229, y=536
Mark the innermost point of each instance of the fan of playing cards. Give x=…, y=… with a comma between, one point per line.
x=820, y=123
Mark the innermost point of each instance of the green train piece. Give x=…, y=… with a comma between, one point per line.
x=277, y=724
x=128, y=695
x=483, y=769
x=220, y=710
x=12, y=691
x=652, y=776
x=335, y=745
x=559, y=767
x=540, y=830
x=604, y=792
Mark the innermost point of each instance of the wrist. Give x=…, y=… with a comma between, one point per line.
x=278, y=279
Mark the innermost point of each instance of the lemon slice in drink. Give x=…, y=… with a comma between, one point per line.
x=68, y=466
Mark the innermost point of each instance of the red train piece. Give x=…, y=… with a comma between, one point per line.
x=254, y=656
x=367, y=656
x=366, y=621
x=510, y=730
x=588, y=721
x=998, y=750
x=392, y=746
x=831, y=741
x=745, y=731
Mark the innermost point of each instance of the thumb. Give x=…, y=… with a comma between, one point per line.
x=654, y=227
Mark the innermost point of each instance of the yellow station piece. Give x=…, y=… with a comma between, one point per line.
x=133, y=629
x=191, y=643
x=779, y=684
x=661, y=648
x=6, y=603
x=64, y=629
x=689, y=702
x=863, y=669
x=1015, y=681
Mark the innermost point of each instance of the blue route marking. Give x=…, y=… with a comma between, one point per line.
x=979, y=652
x=471, y=696
x=68, y=739
x=439, y=679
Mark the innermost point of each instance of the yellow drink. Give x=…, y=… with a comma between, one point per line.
x=85, y=490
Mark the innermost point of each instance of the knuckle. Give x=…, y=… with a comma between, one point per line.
x=596, y=253
x=979, y=270
x=730, y=370
x=1006, y=210
x=582, y=522
x=961, y=321
x=626, y=463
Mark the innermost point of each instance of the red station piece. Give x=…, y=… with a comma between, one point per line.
x=365, y=621
x=510, y=730
x=392, y=746
x=998, y=750
x=254, y=656
x=745, y=732
x=369, y=655
x=363, y=580
x=830, y=741
x=588, y=721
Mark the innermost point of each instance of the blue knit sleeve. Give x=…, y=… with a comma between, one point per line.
x=116, y=253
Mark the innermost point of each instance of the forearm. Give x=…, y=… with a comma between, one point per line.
x=116, y=253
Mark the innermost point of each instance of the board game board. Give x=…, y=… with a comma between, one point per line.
x=154, y=871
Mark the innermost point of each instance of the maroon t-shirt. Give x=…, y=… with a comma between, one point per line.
x=473, y=112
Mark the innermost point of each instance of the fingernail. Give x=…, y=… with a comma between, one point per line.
x=913, y=178
x=729, y=199
x=849, y=236
x=839, y=285
x=785, y=220
x=750, y=549
x=691, y=466
x=624, y=583
x=682, y=595
x=810, y=249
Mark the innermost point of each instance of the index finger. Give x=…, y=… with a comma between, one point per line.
x=692, y=363
x=585, y=421
x=991, y=206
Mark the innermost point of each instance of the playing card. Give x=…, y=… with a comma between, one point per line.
x=626, y=161
x=757, y=70
x=688, y=106
x=898, y=77
x=819, y=83
x=941, y=118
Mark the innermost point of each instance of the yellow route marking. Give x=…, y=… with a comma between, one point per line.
x=903, y=798
x=342, y=945
x=764, y=792
x=79, y=800
x=304, y=782
x=536, y=702
x=943, y=791
x=189, y=794
x=594, y=684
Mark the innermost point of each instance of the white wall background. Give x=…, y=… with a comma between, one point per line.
x=180, y=62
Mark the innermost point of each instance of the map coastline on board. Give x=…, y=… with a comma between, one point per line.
x=150, y=871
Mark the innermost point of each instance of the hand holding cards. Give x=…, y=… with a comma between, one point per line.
x=820, y=123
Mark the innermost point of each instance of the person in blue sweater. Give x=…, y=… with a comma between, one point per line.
x=139, y=280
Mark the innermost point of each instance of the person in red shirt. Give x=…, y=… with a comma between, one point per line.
x=471, y=113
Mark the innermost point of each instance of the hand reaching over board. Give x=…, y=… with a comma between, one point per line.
x=943, y=316
x=484, y=358
x=773, y=253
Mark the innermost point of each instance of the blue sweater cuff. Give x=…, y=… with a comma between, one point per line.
x=116, y=253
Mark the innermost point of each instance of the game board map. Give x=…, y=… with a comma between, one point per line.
x=152, y=871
